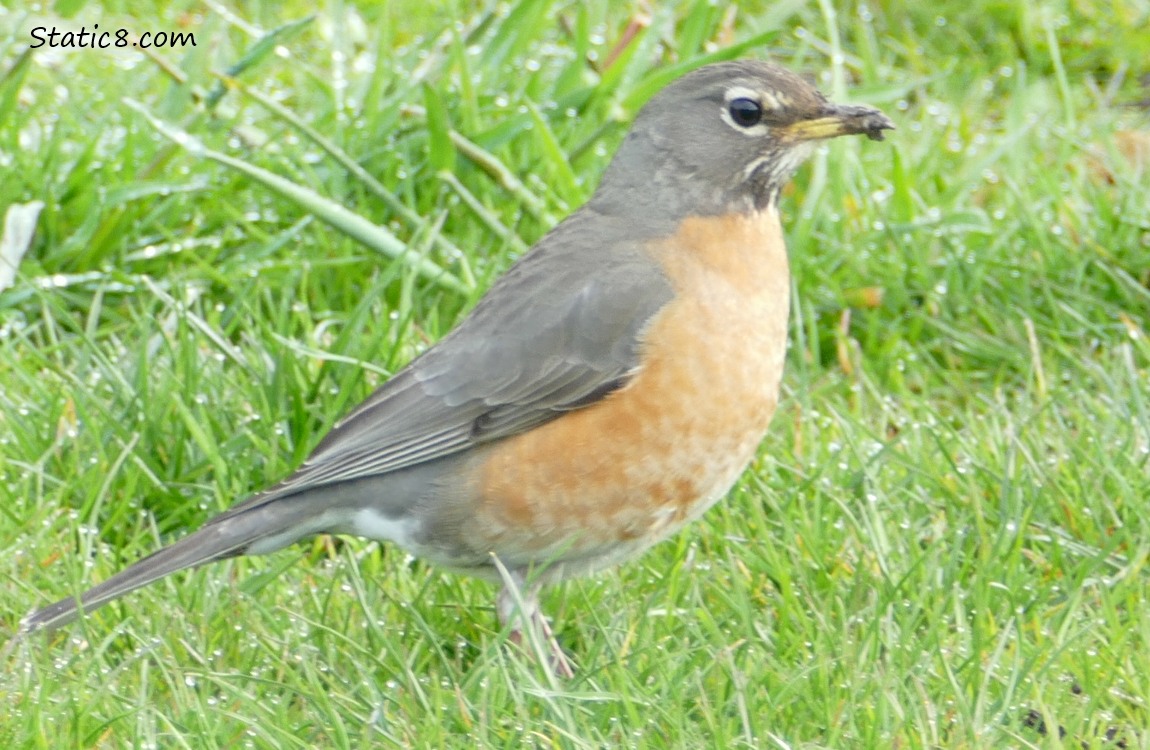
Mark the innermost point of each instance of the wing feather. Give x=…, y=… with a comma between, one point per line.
x=554, y=334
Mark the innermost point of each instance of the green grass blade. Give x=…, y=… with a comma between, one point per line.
x=351, y=224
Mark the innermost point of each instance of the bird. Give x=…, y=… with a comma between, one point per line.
x=607, y=390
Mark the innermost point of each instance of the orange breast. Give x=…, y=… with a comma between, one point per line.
x=605, y=482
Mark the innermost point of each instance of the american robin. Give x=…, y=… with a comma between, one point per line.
x=608, y=389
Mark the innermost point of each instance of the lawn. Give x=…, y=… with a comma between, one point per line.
x=942, y=544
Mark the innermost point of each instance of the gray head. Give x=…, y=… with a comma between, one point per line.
x=724, y=138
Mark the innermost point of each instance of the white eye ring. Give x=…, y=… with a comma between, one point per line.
x=742, y=92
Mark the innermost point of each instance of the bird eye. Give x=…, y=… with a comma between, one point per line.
x=745, y=112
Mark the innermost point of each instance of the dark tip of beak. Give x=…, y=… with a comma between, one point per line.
x=862, y=120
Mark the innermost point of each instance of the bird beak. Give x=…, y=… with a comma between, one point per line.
x=840, y=119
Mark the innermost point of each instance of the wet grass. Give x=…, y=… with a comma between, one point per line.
x=943, y=543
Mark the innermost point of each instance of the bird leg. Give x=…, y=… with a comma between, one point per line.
x=518, y=607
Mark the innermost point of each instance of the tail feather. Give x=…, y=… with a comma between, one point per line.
x=226, y=536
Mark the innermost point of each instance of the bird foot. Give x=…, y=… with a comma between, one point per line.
x=530, y=630
x=558, y=660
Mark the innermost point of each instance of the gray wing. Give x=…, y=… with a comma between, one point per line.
x=559, y=331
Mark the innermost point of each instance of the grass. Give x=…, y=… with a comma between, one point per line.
x=943, y=543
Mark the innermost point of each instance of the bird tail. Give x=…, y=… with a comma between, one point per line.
x=256, y=528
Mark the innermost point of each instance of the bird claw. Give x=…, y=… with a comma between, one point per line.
x=518, y=606
x=558, y=660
